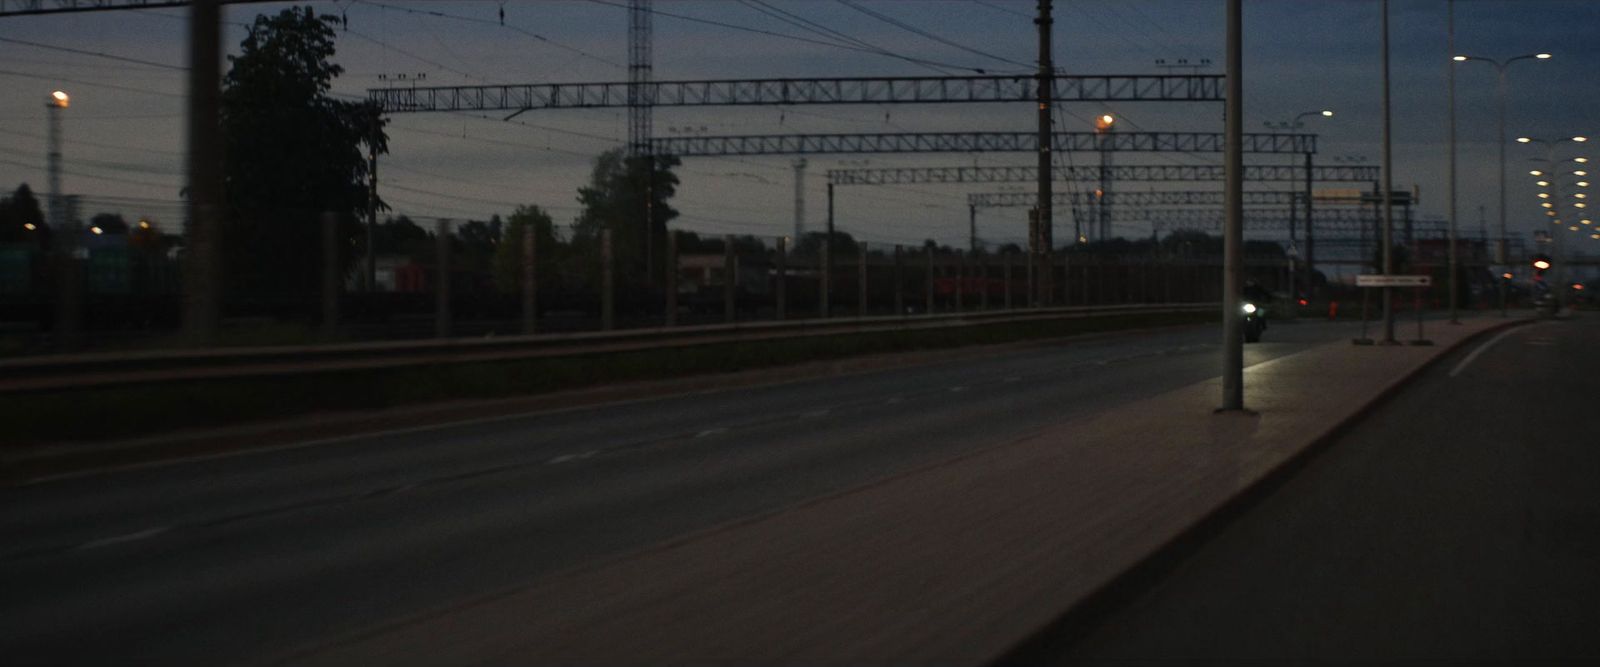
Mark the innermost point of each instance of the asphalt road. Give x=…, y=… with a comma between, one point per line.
x=220, y=561
x=1459, y=523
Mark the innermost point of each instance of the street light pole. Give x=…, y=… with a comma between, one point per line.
x=1388, y=191
x=1500, y=245
x=1296, y=124
x=1233, y=228
x=1450, y=28
x=1501, y=93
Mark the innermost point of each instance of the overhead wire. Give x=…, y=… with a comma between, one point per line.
x=508, y=26
x=918, y=31
x=797, y=38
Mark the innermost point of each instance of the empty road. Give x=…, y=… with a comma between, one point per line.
x=224, y=560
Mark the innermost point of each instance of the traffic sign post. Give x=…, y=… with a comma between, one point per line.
x=1419, y=283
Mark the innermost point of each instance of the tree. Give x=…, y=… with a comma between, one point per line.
x=508, y=255
x=109, y=223
x=292, y=154
x=17, y=212
x=615, y=198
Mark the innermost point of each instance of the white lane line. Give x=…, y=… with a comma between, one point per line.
x=1483, y=348
x=814, y=414
x=957, y=388
x=564, y=458
x=893, y=400
x=1014, y=378
x=710, y=432
x=119, y=539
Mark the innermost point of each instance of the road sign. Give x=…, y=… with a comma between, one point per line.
x=1376, y=280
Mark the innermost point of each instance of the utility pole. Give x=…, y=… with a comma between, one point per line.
x=972, y=229
x=201, y=280
x=1044, y=250
x=1233, y=229
x=1450, y=30
x=369, y=276
x=641, y=101
x=1388, y=191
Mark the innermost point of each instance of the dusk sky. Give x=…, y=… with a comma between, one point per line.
x=124, y=139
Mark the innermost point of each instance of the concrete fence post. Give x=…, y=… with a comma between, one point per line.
x=824, y=284
x=928, y=285
x=899, y=282
x=530, y=278
x=330, y=271
x=730, y=280
x=861, y=279
x=441, y=307
x=1005, y=275
x=670, y=279
x=782, y=287
x=608, y=291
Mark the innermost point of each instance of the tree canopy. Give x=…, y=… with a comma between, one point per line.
x=292, y=153
x=615, y=200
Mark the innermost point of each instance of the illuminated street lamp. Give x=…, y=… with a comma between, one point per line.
x=1295, y=124
x=57, y=101
x=1500, y=67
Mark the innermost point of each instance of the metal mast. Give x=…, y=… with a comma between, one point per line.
x=640, y=116
x=1045, y=242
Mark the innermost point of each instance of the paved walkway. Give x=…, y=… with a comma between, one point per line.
x=953, y=563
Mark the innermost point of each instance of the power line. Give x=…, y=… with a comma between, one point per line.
x=998, y=8
x=819, y=29
x=96, y=54
x=501, y=23
x=914, y=30
x=81, y=82
x=797, y=38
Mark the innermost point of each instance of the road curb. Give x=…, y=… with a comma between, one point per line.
x=1046, y=644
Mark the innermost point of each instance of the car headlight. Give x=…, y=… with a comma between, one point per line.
x=1249, y=309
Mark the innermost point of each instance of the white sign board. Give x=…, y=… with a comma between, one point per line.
x=1377, y=280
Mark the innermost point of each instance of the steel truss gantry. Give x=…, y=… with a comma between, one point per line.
x=1170, y=172
x=1345, y=221
x=790, y=92
x=25, y=7
x=1130, y=199
x=1135, y=199
x=976, y=142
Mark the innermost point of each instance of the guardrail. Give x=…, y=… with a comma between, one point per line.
x=107, y=369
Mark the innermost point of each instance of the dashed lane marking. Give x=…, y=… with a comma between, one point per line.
x=120, y=539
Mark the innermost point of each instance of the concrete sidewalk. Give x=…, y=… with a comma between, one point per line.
x=958, y=562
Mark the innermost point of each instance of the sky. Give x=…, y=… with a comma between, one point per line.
x=123, y=134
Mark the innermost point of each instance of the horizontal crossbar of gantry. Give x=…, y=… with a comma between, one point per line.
x=787, y=92
x=975, y=142
x=1170, y=172
x=23, y=7
x=1169, y=198
x=1334, y=220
